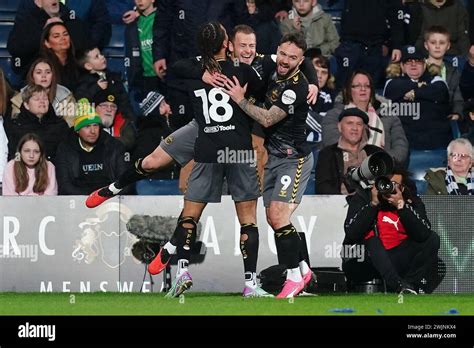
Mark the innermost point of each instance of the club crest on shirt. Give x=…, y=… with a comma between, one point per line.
x=169, y=139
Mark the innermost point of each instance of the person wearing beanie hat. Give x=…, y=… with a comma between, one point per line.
x=90, y=157
x=351, y=149
x=112, y=118
x=354, y=112
x=85, y=115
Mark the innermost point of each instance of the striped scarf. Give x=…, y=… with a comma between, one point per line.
x=452, y=185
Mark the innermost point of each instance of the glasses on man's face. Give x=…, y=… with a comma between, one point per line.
x=108, y=106
x=459, y=156
x=360, y=86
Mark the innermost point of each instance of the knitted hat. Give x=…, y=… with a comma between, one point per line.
x=85, y=115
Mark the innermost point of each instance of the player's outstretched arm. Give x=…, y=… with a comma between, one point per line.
x=266, y=118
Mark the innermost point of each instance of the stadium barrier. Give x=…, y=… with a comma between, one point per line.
x=57, y=244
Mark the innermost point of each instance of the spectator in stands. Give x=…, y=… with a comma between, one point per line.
x=112, y=119
x=450, y=14
x=60, y=98
x=466, y=83
x=413, y=20
x=5, y=109
x=458, y=177
x=325, y=101
x=385, y=130
x=30, y=174
x=141, y=74
x=174, y=31
x=93, y=13
x=56, y=45
x=395, y=237
x=267, y=27
x=308, y=18
x=363, y=32
x=96, y=77
x=36, y=116
x=421, y=101
x=26, y=38
x=89, y=158
x=349, y=151
x=437, y=43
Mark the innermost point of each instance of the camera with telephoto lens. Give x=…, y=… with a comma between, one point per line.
x=373, y=171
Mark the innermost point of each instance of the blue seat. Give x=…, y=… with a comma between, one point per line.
x=8, y=9
x=422, y=160
x=157, y=187
x=311, y=187
x=5, y=28
x=116, y=46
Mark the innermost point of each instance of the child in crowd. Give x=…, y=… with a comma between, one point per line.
x=30, y=174
x=97, y=77
x=437, y=43
x=309, y=18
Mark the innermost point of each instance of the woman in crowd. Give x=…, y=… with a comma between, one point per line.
x=384, y=131
x=458, y=177
x=36, y=116
x=56, y=44
x=61, y=99
x=30, y=174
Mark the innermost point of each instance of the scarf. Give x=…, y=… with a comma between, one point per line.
x=452, y=185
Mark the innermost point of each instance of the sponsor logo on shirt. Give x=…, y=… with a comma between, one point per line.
x=216, y=129
x=288, y=97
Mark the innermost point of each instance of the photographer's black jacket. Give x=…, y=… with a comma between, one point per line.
x=330, y=169
x=361, y=218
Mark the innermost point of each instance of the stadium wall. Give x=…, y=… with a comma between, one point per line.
x=57, y=244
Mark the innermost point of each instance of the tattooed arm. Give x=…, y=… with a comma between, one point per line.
x=266, y=118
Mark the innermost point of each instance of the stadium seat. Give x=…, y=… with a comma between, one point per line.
x=422, y=160
x=311, y=187
x=8, y=9
x=455, y=129
x=158, y=187
x=116, y=46
x=5, y=28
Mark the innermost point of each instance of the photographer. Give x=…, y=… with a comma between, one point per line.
x=393, y=228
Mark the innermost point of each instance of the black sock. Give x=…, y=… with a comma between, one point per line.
x=132, y=175
x=184, y=237
x=287, y=240
x=249, y=246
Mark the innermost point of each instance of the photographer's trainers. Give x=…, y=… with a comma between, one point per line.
x=181, y=284
x=160, y=262
x=291, y=289
x=255, y=292
x=99, y=196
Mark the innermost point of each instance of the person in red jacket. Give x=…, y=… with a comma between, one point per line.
x=396, y=237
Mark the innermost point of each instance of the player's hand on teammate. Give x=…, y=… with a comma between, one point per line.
x=216, y=79
x=313, y=91
x=235, y=90
x=165, y=109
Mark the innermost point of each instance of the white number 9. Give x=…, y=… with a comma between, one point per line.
x=285, y=181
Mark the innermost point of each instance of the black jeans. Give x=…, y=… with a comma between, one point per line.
x=414, y=262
